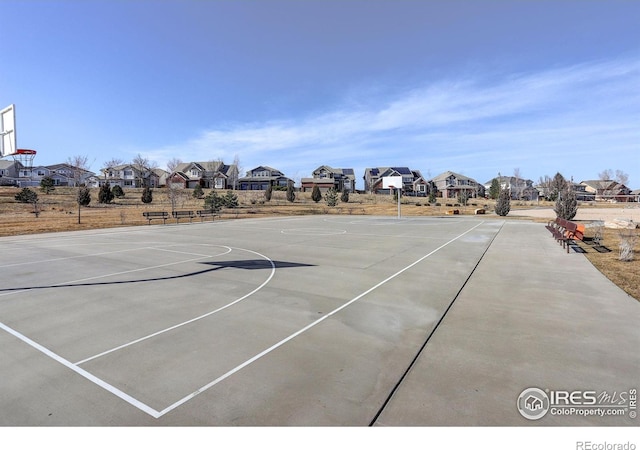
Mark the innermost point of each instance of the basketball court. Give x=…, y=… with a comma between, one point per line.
x=295, y=321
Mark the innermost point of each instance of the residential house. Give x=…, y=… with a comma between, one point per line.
x=260, y=178
x=9, y=172
x=606, y=190
x=129, y=176
x=412, y=181
x=61, y=174
x=209, y=174
x=326, y=177
x=519, y=188
x=452, y=185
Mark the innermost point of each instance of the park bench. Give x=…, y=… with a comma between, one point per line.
x=565, y=231
x=182, y=214
x=150, y=215
x=204, y=213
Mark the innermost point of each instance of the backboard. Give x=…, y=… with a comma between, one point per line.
x=391, y=182
x=8, y=131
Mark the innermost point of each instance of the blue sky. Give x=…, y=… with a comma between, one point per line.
x=477, y=87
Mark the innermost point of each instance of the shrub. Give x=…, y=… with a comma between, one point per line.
x=331, y=197
x=213, y=202
x=26, y=195
x=291, y=194
x=316, y=195
x=105, y=195
x=47, y=185
x=566, y=203
x=198, y=192
x=344, y=198
x=268, y=193
x=230, y=200
x=503, y=204
x=84, y=196
x=117, y=191
x=147, y=195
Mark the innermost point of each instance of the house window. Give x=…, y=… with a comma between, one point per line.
x=128, y=173
x=40, y=173
x=128, y=183
x=219, y=183
x=194, y=172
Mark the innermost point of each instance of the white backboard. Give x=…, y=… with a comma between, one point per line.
x=391, y=182
x=8, y=131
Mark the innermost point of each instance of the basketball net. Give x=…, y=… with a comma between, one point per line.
x=24, y=157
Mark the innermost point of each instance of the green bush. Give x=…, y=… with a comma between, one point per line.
x=26, y=195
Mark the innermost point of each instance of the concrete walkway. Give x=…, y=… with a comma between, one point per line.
x=530, y=316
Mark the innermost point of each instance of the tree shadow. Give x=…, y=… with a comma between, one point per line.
x=245, y=264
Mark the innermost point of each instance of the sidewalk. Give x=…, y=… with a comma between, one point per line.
x=530, y=316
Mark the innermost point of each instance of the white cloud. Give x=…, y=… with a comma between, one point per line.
x=479, y=122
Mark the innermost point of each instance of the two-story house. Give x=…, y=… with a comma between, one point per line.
x=519, y=188
x=129, y=176
x=209, y=174
x=9, y=172
x=452, y=185
x=326, y=177
x=606, y=190
x=260, y=178
x=412, y=180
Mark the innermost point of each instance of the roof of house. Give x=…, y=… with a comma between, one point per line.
x=448, y=173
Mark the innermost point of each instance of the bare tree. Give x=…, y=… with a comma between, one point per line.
x=145, y=169
x=172, y=164
x=621, y=177
x=234, y=175
x=113, y=162
x=544, y=183
x=516, y=176
x=79, y=166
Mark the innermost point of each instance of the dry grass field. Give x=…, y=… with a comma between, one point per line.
x=58, y=211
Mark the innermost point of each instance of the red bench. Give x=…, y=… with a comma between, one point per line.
x=565, y=231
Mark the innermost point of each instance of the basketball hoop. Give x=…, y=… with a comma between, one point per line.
x=24, y=157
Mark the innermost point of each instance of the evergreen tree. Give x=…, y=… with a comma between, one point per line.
x=268, y=193
x=331, y=197
x=494, y=189
x=47, y=184
x=26, y=195
x=147, y=195
x=566, y=203
x=84, y=195
x=117, y=191
x=344, y=198
x=503, y=204
x=198, y=192
x=558, y=183
x=213, y=202
x=291, y=193
x=105, y=195
x=230, y=200
x=316, y=195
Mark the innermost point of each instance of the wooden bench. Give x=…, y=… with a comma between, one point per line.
x=565, y=231
x=182, y=215
x=204, y=213
x=150, y=215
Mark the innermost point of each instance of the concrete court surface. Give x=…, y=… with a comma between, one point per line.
x=305, y=321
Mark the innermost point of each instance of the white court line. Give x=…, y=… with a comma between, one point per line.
x=157, y=333
x=308, y=327
x=40, y=261
x=103, y=384
x=157, y=414
x=82, y=280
